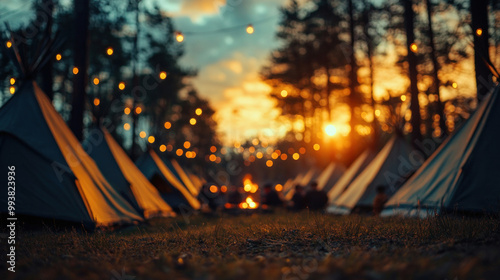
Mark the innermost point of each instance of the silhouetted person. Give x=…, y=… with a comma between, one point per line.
x=234, y=196
x=207, y=198
x=316, y=199
x=298, y=199
x=379, y=200
x=271, y=197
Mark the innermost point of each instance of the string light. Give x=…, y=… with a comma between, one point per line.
x=8, y=44
x=109, y=51
x=142, y=134
x=403, y=98
x=187, y=144
x=58, y=56
x=284, y=93
x=179, y=37
x=167, y=125
x=296, y=156
x=12, y=89
x=126, y=126
x=198, y=111
x=316, y=147
x=151, y=139
x=126, y=110
x=454, y=85
x=269, y=163
x=414, y=47
x=179, y=152
x=121, y=86
x=75, y=70
x=192, y=121
x=138, y=110
x=250, y=29
x=163, y=148
x=12, y=81
x=479, y=31
x=96, y=81
x=163, y=75
x=97, y=101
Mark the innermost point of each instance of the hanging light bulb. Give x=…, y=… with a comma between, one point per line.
x=109, y=51
x=250, y=29
x=179, y=36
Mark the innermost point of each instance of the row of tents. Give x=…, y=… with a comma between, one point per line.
x=95, y=183
x=459, y=176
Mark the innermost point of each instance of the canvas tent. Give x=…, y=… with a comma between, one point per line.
x=349, y=175
x=169, y=186
x=329, y=176
x=197, y=181
x=462, y=175
x=390, y=167
x=124, y=176
x=174, y=166
x=55, y=178
x=302, y=180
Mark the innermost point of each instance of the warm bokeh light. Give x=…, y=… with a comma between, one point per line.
x=269, y=163
x=316, y=147
x=278, y=187
x=75, y=70
x=284, y=156
x=213, y=189
x=274, y=155
x=377, y=113
x=255, y=142
x=163, y=75
x=259, y=155
x=8, y=44
x=96, y=81
x=58, y=56
x=251, y=204
x=163, y=148
x=187, y=144
x=296, y=156
x=179, y=152
x=284, y=93
x=126, y=111
x=330, y=130
x=170, y=147
x=138, y=110
x=212, y=157
x=302, y=150
x=126, y=126
x=192, y=121
x=223, y=189
x=198, y=111
x=414, y=47
x=142, y=134
x=12, y=89
x=479, y=31
x=167, y=125
x=179, y=37
x=454, y=85
x=250, y=29
x=213, y=149
x=109, y=51
x=12, y=81
x=151, y=139
x=251, y=149
x=218, y=160
x=97, y=101
x=403, y=98
x=247, y=187
x=121, y=86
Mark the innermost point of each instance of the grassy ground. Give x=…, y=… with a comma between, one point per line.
x=274, y=246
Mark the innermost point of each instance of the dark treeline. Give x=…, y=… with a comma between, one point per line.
x=338, y=57
x=165, y=101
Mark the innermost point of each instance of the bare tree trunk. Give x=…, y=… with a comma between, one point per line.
x=437, y=81
x=479, y=13
x=79, y=98
x=412, y=63
x=46, y=10
x=353, y=77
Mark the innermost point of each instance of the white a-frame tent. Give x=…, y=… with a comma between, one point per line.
x=349, y=175
x=171, y=189
x=124, y=176
x=54, y=177
x=390, y=167
x=463, y=174
x=329, y=176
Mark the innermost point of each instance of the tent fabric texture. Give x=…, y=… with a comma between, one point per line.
x=390, y=168
x=55, y=178
x=348, y=176
x=461, y=175
x=303, y=180
x=329, y=176
x=169, y=186
x=124, y=176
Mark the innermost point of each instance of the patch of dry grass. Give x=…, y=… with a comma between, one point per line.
x=276, y=246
